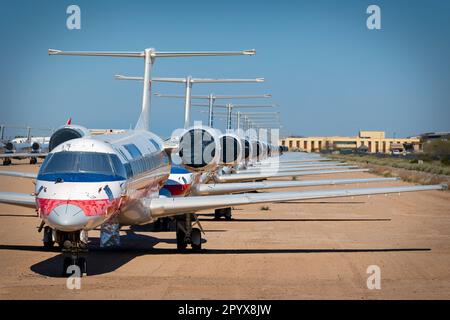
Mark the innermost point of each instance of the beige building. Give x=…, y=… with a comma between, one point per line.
x=372, y=141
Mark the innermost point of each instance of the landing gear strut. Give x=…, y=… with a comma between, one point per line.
x=6, y=161
x=33, y=160
x=224, y=212
x=74, y=251
x=48, y=240
x=187, y=235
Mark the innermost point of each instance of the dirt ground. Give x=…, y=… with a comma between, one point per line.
x=310, y=250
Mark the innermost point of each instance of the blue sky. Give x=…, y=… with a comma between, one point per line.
x=327, y=71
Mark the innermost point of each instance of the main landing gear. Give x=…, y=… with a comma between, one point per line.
x=186, y=234
x=223, y=212
x=6, y=161
x=33, y=160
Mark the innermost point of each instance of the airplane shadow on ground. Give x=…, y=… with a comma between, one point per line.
x=106, y=260
x=299, y=220
x=18, y=215
x=102, y=261
x=320, y=202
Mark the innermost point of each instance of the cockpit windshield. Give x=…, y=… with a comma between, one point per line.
x=67, y=162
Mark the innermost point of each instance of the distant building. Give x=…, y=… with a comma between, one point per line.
x=366, y=141
x=435, y=136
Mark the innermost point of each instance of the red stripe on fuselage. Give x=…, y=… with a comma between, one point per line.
x=90, y=207
x=178, y=189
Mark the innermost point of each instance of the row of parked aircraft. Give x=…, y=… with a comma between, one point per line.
x=23, y=148
x=134, y=177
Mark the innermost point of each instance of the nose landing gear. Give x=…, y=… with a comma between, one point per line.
x=75, y=250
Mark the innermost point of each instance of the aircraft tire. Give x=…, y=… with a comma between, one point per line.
x=196, y=239
x=218, y=214
x=181, y=242
x=66, y=263
x=227, y=214
x=82, y=264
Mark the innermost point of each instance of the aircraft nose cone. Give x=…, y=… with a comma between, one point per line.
x=67, y=217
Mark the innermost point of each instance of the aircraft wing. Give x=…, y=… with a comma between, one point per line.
x=164, y=207
x=21, y=199
x=225, y=188
x=22, y=155
x=27, y=175
x=294, y=169
x=261, y=176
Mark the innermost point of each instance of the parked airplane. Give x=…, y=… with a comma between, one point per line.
x=87, y=181
x=23, y=147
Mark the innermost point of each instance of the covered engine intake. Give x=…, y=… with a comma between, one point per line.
x=247, y=149
x=256, y=150
x=65, y=133
x=199, y=149
x=231, y=149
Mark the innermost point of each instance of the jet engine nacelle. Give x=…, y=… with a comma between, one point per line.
x=9, y=146
x=35, y=147
x=257, y=149
x=65, y=133
x=231, y=149
x=264, y=151
x=199, y=149
x=247, y=149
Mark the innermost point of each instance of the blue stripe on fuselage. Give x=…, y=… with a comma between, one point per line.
x=178, y=170
x=79, y=177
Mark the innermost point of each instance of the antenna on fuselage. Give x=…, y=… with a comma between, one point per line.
x=149, y=55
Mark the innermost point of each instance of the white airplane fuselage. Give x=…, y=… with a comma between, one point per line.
x=84, y=182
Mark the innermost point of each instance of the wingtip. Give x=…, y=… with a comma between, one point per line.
x=250, y=52
x=53, y=51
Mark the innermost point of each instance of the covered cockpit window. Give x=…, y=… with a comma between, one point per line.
x=98, y=165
